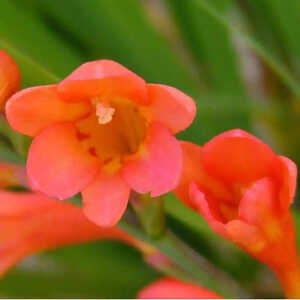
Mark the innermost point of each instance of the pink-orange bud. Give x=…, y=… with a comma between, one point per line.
x=10, y=77
x=31, y=222
x=171, y=288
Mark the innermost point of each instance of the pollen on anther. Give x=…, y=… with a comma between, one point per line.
x=104, y=113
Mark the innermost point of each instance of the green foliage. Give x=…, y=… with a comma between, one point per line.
x=95, y=270
x=100, y=27
x=210, y=43
x=42, y=55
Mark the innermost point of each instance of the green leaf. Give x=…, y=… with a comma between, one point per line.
x=276, y=66
x=257, y=17
x=217, y=113
x=41, y=55
x=210, y=43
x=284, y=17
x=19, y=142
x=94, y=270
x=119, y=30
x=7, y=154
x=296, y=216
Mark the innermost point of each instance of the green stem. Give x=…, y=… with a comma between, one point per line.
x=196, y=268
x=19, y=142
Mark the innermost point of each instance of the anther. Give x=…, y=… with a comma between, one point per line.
x=104, y=113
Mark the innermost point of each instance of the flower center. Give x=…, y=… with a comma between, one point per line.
x=104, y=113
x=230, y=210
x=114, y=130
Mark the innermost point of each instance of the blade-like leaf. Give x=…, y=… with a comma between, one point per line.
x=277, y=66
x=210, y=43
x=40, y=54
x=217, y=113
x=95, y=270
x=119, y=30
x=284, y=16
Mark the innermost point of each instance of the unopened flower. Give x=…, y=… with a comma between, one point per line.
x=171, y=288
x=29, y=221
x=102, y=131
x=244, y=191
x=9, y=77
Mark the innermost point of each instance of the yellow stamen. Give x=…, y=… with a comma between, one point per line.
x=104, y=113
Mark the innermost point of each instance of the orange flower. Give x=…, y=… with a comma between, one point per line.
x=244, y=190
x=171, y=288
x=31, y=222
x=102, y=131
x=10, y=77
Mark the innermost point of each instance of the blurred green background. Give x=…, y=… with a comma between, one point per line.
x=239, y=59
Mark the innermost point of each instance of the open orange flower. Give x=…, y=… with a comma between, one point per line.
x=102, y=131
x=10, y=77
x=244, y=190
x=171, y=288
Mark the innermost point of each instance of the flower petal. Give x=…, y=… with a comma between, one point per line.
x=157, y=167
x=10, y=77
x=103, y=78
x=171, y=288
x=246, y=236
x=57, y=165
x=236, y=156
x=201, y=204
x=192, y=170
x=258, y=202
x=10, y=255
x=31, y=110
x=170, y=107
x=259, y=207
x=289, y=181
x=105, y=199
x=19, y=204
